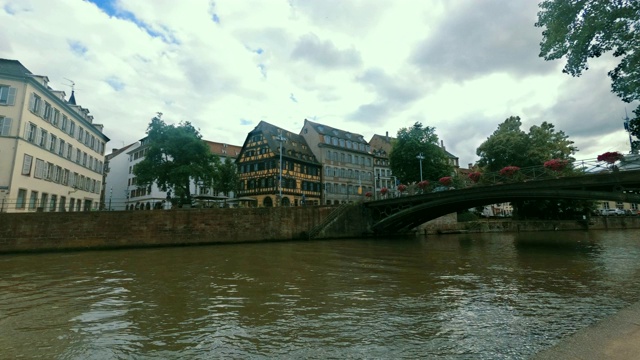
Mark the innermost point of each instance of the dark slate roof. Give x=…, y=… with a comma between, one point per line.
x=13, y=68
x=333, y=132
x=268, y=130
x=72, y=99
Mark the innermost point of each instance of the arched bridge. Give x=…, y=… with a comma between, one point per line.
x=407, y=212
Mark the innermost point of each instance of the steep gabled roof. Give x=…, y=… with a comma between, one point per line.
x=294, y=147
x=333, y=132
x=13, y=68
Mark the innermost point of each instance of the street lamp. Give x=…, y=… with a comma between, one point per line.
x=110, y=194
x=420, y=157
x=281, y=139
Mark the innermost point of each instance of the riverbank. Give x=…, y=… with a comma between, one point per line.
x=614, y=338
x=448, y=224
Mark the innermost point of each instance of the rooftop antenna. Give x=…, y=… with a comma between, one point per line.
x=72, y=98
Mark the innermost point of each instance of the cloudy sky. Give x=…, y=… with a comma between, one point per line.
x=366, y=66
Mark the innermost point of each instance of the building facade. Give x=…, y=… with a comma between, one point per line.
x=381, y=146
x=277, y=167
x=51, y=151
x=122, y=192
x=346, y=160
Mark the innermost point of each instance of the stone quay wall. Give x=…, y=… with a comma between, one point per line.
x=124, y=229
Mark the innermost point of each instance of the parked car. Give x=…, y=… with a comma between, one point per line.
x=612, y=212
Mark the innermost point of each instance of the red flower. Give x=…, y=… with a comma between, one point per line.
x=610, y=157
x=368, y=194
x=475, y=176
x=384, y=191
x=556, y=164
x=446, y=181
x=509, y=170
x=402, y=187
x=423, y=184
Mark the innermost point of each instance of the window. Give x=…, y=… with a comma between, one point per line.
x=78, y=156
x=72, y=129
x=30, y=132
x=39, y=170
x=35, y=104
x=57, y=170
x=49, y=171
x=7, y=95
x=52, y=202
x=26, y=164
x=69, y=151
x=65, y=177
x=33, y=200
x=5, y=126
x=47, y=111
x=61, y=146
x=80, y=133
x=43, y=138
x=22, y=196
x=63, y=203
x=53, y=141
x=65, y=123
x=56, y=117
x=84, y=159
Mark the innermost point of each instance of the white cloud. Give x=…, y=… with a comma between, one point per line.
x=363, y=66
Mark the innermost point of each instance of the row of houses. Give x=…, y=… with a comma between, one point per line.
x=52, y=158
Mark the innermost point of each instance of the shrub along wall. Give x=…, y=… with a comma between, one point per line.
x=87, y=230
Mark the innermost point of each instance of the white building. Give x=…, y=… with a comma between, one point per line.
x=121, y=192
x=51, y=152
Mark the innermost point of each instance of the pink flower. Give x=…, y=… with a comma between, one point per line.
x=402, y=187
x=509, y=170
x=423, y=184
x=446, y=181
x=384, y=191
x=556, y=164
x=475, y=176
x=610, y=157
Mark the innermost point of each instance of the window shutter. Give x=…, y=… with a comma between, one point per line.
x=12, y=96
x=6, y=127
x=32, y=101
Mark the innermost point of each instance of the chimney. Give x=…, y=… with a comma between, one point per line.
x=470, y=166
x=387, y=136
x=442, y=145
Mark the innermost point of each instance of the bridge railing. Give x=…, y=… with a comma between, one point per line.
x=532, y=173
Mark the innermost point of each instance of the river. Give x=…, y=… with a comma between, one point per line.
x=466, y=296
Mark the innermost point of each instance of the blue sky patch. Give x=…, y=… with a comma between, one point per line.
x=115, y=83
x=77, y=47
x=245, y=122
x=293, y=98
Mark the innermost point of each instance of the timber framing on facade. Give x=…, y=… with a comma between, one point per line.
x=259, y=168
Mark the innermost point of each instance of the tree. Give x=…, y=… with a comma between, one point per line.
x=227, y=179
x=409, y=144
x=510, y=146
x=176, y=156
x=579, y=30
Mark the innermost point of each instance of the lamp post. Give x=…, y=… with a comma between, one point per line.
x=626, y=127
x=110, y=195
x=420, y=157
x=281, y=139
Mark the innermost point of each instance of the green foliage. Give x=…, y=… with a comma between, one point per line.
x=579, y=30
x=227, y=179
x=176, y=156
x=510, y=146
x=411, y=142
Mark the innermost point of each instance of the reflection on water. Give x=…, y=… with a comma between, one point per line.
x=453, y=297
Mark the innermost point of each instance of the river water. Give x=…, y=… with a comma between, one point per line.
x=467, y=296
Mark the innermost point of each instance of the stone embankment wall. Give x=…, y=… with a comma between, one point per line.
x=445, y=225
x=122, y=229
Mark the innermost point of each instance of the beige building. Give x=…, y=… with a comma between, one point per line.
x=51, y=152
x=346, y=160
